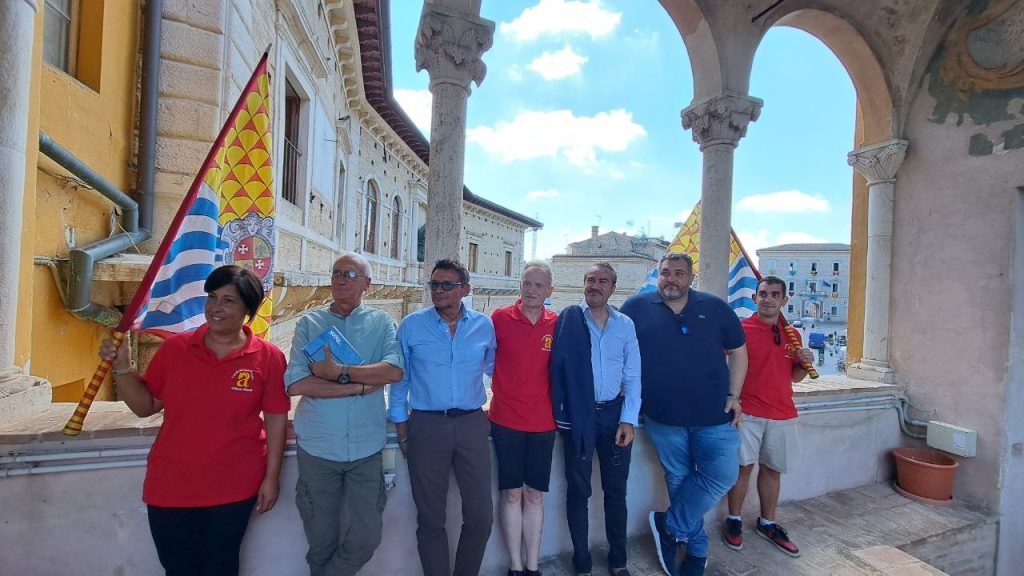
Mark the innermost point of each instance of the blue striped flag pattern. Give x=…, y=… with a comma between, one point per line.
x=176, y=301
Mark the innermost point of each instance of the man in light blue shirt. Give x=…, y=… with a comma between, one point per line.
x=448, y=348
x=595, y=389
x=340, y=424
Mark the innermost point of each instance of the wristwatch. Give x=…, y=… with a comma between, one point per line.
x=343, y=378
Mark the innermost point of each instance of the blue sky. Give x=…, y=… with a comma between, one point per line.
x=577, y=123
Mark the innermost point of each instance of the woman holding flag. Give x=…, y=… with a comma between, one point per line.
x=214, y=458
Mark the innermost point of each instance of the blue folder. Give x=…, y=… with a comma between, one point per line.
x=341, y=349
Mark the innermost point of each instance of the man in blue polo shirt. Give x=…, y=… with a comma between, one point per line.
x=693, y=362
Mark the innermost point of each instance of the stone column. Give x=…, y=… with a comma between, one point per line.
x=449, y=45
x=17, y=32
x=878, y=164
x=20, y=395
x=718, y=123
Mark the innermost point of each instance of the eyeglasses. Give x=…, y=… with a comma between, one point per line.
x=778, y=335
x=445, y=286
x=345, y=274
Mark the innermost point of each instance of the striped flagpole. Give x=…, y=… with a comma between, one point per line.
x=77, y=420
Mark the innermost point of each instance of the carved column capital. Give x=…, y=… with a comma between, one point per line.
x=879, y=163
x=449, y=45
x=721, y=119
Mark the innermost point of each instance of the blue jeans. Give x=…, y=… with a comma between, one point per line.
x=701, y=464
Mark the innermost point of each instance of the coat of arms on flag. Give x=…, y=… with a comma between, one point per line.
x=226, y=217
x=742, y=276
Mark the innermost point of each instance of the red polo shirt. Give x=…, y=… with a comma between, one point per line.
x=521, y=383
x=211, y=449
x=768, y=389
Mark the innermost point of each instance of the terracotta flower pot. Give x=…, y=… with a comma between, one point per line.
x=925, y=473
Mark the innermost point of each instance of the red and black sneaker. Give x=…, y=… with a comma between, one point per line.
x=777, y=535
x=732, y=533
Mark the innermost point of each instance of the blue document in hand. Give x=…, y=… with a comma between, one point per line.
x=341, y=349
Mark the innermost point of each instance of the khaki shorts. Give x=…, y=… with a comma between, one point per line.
x=773, y=443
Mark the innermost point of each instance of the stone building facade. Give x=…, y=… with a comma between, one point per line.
x=350, y=169
x=632, y=257
x=817, y=278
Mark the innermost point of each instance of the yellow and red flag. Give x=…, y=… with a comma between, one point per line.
x=227, y=217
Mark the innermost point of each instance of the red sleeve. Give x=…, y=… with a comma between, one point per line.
x=275, y=399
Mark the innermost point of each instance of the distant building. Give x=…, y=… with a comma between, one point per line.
x=817, y=278
x=631, y=256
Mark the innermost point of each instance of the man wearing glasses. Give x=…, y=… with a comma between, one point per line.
x=340, y=423
x=595, y=394
x=769, y=420
x=448, y=348
x=693, y=363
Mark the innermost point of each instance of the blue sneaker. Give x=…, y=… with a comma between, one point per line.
x=664, y=543
x=693, y=566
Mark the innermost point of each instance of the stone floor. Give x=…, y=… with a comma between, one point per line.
x=854, y=532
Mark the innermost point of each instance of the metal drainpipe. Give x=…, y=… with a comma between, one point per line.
x=152, y=23
x=83, y=260
x=137, y=218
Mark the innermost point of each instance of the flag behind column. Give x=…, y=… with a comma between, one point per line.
x=226, y=217
x=742, y=276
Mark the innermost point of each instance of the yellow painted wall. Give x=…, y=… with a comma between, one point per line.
x=858, y=253
x=94, y=119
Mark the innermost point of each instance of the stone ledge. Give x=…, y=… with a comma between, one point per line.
x=22, y=396
x=833, y=384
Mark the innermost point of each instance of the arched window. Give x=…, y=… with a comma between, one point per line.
x=396, y=229
x=370, y=219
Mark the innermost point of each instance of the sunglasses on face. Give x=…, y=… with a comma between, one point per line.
x=345, y=274
x=445, y=286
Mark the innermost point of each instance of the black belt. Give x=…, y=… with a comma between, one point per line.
x=608, y=403
x=451, y=412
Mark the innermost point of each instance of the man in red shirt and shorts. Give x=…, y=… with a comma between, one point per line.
x=768, y=435
x=522, y=422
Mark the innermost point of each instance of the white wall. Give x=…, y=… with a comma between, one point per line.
x=95, y=523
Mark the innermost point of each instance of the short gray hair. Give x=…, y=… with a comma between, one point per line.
x=675, y=257
x=543, y=265
x=360, y=261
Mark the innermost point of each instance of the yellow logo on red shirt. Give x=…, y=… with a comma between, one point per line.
x=546, y=342
x=243, y=380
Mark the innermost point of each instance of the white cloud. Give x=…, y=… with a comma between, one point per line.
x=534, y=134
x=541, y=194
x=557, y=65
x=616, y=174
x=799, y=238
x=785, y=201
x=515, y=73
x=562, y=16
x=417, y=104
x=754, y=241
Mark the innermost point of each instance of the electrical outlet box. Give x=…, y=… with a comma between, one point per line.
x=953, y=439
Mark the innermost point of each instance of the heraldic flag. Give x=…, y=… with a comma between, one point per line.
x=742, y=276
x=227, y=217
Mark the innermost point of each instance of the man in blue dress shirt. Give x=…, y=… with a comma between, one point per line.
x=448, y=348
x=595, y=393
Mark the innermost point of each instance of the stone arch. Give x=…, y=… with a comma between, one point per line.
x=698, y=38
x=874, y=100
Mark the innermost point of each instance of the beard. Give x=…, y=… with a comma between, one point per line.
x=671, y=292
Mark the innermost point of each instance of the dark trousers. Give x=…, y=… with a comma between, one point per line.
x=439, y=444
x=614, y=462
x=340, y=504
x=200, y=541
